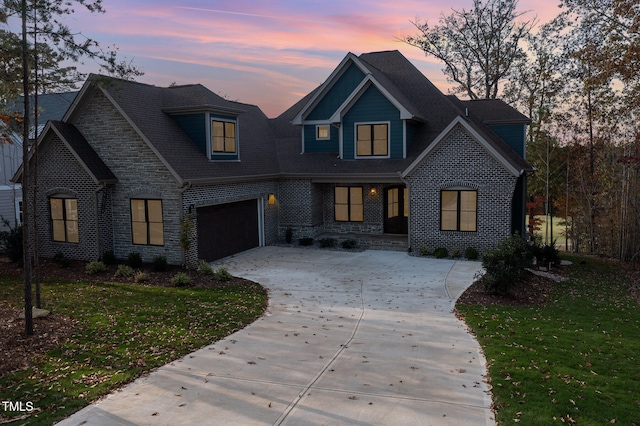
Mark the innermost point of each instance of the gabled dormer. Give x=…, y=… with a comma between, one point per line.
x=215, y=130
x=358, y=114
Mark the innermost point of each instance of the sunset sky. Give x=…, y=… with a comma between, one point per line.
x=269, y=53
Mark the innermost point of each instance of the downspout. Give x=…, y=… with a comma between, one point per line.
x=100, y=187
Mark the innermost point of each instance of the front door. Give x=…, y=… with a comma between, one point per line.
x=396, y=210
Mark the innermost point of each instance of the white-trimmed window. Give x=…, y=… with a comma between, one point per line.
x=372, y=140
x=349, y=204
x=64, y=219
x=323, y=132
x=146, y=222
x=223, y=137
x=458, y=210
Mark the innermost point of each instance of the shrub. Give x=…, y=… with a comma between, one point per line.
x=506, y=265
x=11, y=241
x=456, y=252
x=95, y=267
x=327, y=242
x=424, y=250
x=134, y=260
x=140, y=277
x=222, y=274
x=288, y=236
x=305, y=241
x=349, y=244
x=441, y=253
x=159, y=264
x=204, y=268
x=471, y=254
x=124, y=271
x=108, y=258
x=61, y=260
x=180, y=280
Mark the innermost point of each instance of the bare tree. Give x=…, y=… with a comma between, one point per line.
x=478, y=47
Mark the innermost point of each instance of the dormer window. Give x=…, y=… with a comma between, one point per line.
x=322, y=132
x=223, y=134
x=372, y=140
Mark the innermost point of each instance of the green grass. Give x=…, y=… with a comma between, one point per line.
x=574, y=361
x=123, y=331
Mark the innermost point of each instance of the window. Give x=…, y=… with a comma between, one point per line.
x=322, y=132
x=394, y=200
x=372, y=140
x=64, y=219
x=146, y=222
x=348, y=204
x=223, y=137
x=458, y=210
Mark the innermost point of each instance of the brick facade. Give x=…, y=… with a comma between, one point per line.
x=71, y=182
x=459, y=161
x=140, y=174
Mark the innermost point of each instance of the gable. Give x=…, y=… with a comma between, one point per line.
x=337, y=94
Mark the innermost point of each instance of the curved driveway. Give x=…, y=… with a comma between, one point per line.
x=364, y=338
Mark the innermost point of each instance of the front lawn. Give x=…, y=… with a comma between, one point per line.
x=574, y=360
x=121, y=331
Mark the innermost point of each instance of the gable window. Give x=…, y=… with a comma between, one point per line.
x=348, y=204
x=372, y=140
x=458, y=210
x=64, y=219
x=322, y=132
x=146, y=222
x=223, y=135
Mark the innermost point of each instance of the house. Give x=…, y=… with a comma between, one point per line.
x=376, y=149
x=51, y=106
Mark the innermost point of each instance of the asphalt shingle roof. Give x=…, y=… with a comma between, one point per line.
x=269, y=147
x=84, y=151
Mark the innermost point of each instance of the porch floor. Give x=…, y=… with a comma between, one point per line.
x=396, y=242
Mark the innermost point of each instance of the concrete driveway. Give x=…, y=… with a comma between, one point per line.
x=349, y=339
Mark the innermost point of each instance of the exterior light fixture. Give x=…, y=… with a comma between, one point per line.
x=373, y=191
x=271, y=199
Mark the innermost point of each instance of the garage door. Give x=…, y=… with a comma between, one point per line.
x=226, y=229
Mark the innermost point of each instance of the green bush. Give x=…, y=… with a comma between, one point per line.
x=95, y=267
x=222, y=274
x=424, y=250
x=180, y=280
x=11, y=242
x=456, y=252
x=327, y=242
x=124, y=271
x=109, y=258
x=305, y=241
x=471, y=254
x=159, y=264
x=141, y=277
x=61, y=260
x=349, y=244
x=134, y=260
x=441, y=253
x=204, y=268
x=506, y=265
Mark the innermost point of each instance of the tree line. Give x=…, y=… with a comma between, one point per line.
x=578, y=78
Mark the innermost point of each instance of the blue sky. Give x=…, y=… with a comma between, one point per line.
x=269, y=53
